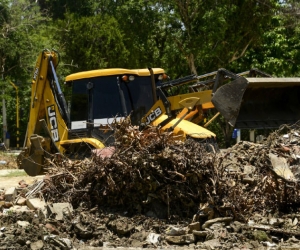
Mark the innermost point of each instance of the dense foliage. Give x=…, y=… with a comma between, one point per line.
x=183, y=37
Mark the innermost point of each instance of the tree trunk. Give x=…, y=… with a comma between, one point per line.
x=191, y=62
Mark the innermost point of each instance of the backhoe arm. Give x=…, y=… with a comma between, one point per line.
x=48, y=116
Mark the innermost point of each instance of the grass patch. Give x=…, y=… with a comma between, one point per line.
x=15, y=173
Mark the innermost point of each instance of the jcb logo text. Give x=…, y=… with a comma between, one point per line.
x=53, y=123
x=153, y=115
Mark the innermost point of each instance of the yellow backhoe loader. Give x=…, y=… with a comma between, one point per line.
x=100, y=97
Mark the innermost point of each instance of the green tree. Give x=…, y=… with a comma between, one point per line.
x=19, y=23
x=279, y=51
x=144, y=27
x=58, y=8
x=145, y=32
x=93, y=42
x=213, y=34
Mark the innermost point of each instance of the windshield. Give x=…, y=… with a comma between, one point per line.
x=106, y=100
x=140, y=96
x=79, y=105
x=99, y=100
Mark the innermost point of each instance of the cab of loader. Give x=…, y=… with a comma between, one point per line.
x=100, y=97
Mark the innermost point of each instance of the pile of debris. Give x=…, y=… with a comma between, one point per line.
x=153, y=190
x=153, y=174
x=149, y=173
x=261, y=178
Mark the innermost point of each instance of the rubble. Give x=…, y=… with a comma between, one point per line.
x=10, y=194
x=156, y=192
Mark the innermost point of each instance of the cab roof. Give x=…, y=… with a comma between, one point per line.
x=111, y=72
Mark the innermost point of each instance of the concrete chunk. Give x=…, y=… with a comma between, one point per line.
x=57, y=210
x=281, y=167
x=10, y=194
x=35, y=203
x=20, y=209
x=181, y=240
x=37, y=245
x=23, y=224
x=21, y=201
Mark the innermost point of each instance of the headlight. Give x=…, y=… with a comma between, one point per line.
x=163, y=77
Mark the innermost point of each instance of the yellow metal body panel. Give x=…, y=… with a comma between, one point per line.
x=110, y=72
x=208, y=105
x=185, y=128
x=204, y=97
x=156, y=110
x=157, y=114
x=189, y=115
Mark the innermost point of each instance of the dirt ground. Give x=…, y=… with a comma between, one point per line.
x=7, y=178
x=10, y=175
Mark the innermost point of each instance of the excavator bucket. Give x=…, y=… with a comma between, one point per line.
x=259, y=102
x=228, y=99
